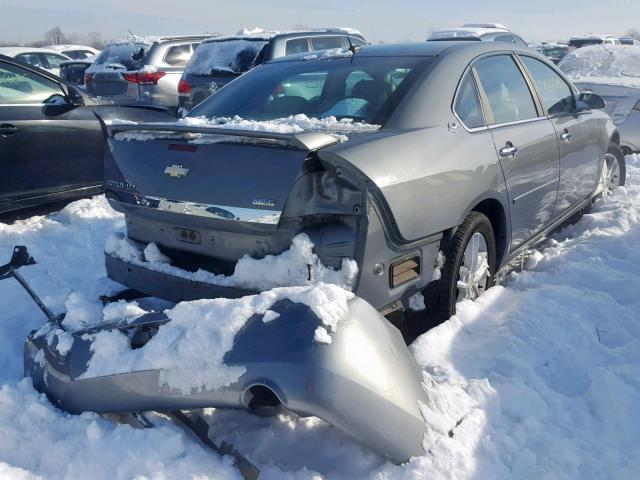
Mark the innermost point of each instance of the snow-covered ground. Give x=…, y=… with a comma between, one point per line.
x=540, y=378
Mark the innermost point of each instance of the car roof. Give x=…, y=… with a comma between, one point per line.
x=11, y=51
x=422, y=49
x=266, y=35
x=151, y=39
x=469, y=30
x=61, y=48
x=593, y=36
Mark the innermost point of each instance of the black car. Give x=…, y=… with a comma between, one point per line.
x=52, y=137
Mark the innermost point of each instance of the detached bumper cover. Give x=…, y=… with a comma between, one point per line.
x=365, y=382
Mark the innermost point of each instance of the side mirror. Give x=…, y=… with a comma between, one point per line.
x=56, y=104
x=589, y=101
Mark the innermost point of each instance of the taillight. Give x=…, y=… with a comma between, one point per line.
x=144, y=78
x=636, y=107
x=184, y=86
x=88, y=77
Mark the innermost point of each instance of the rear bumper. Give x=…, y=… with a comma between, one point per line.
x=165, y=286
x=365, y=382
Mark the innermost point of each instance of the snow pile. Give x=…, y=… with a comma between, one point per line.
x=296, y=266
x=610, y=64
x=289, y=125
x=189, y=350
x=540, y=378
x=292, y=124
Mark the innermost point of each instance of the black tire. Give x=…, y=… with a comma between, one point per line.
x=615, y=149
x=448, y=294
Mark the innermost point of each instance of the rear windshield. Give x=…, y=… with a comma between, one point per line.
x=232, y=56
x=128, y=55
x=365, y=89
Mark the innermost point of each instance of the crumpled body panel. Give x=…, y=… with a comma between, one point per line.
x=365, y=382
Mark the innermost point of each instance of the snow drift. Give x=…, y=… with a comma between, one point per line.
x=540, y=378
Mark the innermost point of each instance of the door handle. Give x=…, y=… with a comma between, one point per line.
x=508, y=151
x=7, y=129
x=566, y=137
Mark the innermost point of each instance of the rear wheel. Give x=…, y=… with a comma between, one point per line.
x=616, y=167
x=471, y=264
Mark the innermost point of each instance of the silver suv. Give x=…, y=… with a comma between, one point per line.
x=222, y=59
x=146, y=69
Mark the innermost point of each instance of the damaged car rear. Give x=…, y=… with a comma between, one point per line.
x=295, y=211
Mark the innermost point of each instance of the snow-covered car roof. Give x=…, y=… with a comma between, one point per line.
x=470, y=30
x=606, y=64
x=13, y=51
x=263, y=34
x=63, y=48
x=594, y=36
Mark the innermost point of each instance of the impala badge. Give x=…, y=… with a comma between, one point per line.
x=176, y=171
x=264, y=202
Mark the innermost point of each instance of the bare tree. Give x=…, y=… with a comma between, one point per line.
x=633, y=33
x=96, y=40
x=55, y=36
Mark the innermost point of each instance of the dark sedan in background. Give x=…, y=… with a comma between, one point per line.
x=51, y=137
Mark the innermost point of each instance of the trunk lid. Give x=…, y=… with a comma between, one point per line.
x=210, y=173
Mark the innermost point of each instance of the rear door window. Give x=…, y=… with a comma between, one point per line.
x=555, y=93
x=326, y=42
x=297, y=45
x=507, y=91
x=178, y=55
x=467, y=105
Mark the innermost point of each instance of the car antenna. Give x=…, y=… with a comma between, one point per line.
x=133, y=34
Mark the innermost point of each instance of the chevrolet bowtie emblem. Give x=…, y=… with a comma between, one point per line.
x=176, y=171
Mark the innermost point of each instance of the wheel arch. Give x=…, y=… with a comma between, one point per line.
x=496, y=208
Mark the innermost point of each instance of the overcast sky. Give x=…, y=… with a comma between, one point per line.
x=26, y=20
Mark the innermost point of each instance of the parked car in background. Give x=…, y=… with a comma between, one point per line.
x=553, y=51
x=73, y=71
x=43, y=58
x=593, y=39
x=613, y=73
x=145, y=68
x=222, y=59
x=493, y=32
x=75, y=52
x=51, y=141
x=628, y=41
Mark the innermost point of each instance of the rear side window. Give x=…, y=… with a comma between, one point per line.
x=467, y=105
x=555, y=94
x=178, y=55
x=53, y=60
x=297, y=45
x=18, y=86
x=325, y=43
x=32, y=59
x=506, y=89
